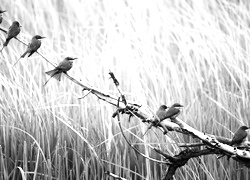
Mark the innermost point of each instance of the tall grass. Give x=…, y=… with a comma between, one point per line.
x=192, y=52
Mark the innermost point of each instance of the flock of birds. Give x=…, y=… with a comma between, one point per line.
x=173, y=111
x=162, y=113
x=33, y=46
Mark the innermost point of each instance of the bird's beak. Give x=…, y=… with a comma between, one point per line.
x=42, y=37
x=3, y=11
x=74, y=58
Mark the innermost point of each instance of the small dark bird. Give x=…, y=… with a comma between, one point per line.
x=239, y=136
x=172, y=112
x=1, y=16
x=160, y=116
x=63, y=67
x=13, y=31
x=162, y=113
x=33, y=46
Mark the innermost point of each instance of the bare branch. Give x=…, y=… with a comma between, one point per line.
x=182, y=158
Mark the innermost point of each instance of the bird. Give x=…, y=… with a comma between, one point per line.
x=63, y=67
x=172, y=112
x=239, y=136
x=161, y=113
x=1, y=16
x=165, y=112
x=33, y=46
x=13, y=31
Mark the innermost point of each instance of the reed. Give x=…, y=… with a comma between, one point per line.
x=191, y=52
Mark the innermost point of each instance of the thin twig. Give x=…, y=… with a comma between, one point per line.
x=112, y=76
x=3, y=30
x=85, y=94
x=96, y=92
x=45, y=59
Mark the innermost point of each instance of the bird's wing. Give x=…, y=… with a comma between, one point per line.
x=64, y=66
x=34, y=45
x=161, y=115
x=172, y=112
x=51, y=72
x=61, y=64
x=239, y=136
x=13, y=31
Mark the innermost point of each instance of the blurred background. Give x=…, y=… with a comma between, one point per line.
x=187, y=51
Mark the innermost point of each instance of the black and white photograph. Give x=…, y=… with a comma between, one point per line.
x=125, y=90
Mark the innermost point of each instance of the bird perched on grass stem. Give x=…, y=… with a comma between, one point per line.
x=33, y=46
x=1, y=16
x=13, y=31
x=239, y=136
x=63, y=67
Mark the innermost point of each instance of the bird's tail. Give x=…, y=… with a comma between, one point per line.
x=21, y=57
x=24, y=54
x=2, y=49
x=47, y=81
x=16, y=61
x=55, y=74
x=31, y=53
x=6, y=42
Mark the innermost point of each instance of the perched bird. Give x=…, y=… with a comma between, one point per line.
x=239, y=136
x=161, y=113
x=160, y=116
x=13, y=31
x=172, y=112
x=165, y=112
x=33, y=46
x=1, y=16
x=63, y=67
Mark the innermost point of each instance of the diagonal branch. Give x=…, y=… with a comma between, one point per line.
x=182, y=158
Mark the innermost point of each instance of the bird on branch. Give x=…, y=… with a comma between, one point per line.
x=239, y=136
x=63, y=67
x=13, y=31
x=165, y=112
x=33, y=46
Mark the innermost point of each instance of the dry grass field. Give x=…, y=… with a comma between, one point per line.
x=194, y=52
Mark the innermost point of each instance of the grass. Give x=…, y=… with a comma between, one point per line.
x=192, y=52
